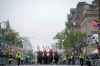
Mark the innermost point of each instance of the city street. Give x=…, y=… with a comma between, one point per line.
x=49, y=32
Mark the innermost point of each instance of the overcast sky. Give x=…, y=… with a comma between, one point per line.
x=39, y=20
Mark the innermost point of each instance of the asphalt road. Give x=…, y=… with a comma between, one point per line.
x=43, y=65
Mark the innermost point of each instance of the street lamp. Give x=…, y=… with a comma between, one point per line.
x=62, y=44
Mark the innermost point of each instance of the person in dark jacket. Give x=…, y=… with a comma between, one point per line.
x=50, y=56
x=45, y=58
x=56, y=57
x=39, y=57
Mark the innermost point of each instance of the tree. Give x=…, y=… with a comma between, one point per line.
x=69, y=39
x=13, y=38
x=73, y=37
x=60, y=37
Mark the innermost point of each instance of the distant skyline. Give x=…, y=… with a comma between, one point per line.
x=39, y=20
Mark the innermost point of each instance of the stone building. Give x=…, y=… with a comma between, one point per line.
x=82, y=16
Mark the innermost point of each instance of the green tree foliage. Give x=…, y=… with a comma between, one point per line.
x=68, y=38
x=72, y=38
x=60, y=37
x=13, y=38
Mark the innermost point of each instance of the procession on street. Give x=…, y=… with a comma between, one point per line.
x=49, y=32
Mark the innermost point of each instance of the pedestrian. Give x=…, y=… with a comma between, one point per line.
x=22, y=60
x=77, y=60
x=73, y=60
x=50, y=56
x=10, y=61
x=88, y=62
x=81, y=59
x=39, y=57
x=18, y=58
x=45, y=58
x=56, y=57
x=64, y=61
x=69, y=60
x=26, y=60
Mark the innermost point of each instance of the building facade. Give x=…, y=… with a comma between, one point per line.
x=82, y=16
